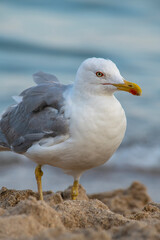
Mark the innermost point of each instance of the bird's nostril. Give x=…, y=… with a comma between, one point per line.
x=129, y=85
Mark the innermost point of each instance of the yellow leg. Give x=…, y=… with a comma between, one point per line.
x=38, y=175
x=74, y=191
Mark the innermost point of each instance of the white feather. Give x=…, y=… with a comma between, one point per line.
x=17, y=99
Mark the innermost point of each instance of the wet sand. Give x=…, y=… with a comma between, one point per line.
x=120, y=214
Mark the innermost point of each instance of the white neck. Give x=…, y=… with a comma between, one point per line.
x=86, y=91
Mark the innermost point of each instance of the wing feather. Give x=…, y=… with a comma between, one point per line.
x=44, y=78
x=39, y=115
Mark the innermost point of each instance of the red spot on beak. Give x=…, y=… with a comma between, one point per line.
x=134, y=92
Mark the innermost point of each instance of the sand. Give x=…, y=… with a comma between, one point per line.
x=121, y=214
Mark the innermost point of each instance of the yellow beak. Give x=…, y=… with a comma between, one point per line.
x=129, y=87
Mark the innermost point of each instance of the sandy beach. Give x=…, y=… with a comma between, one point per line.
x=120, y=214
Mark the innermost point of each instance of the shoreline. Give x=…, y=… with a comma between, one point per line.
x=21, y=176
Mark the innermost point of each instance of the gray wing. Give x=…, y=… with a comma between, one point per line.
x=41, y=78
x=39, y=115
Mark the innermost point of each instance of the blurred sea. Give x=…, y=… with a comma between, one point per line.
x=56, y=36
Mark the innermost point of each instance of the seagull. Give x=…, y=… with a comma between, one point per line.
x=74, y=127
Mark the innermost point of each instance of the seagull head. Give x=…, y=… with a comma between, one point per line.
x=101, y=76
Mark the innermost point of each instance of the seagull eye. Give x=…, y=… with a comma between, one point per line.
x=99, y=74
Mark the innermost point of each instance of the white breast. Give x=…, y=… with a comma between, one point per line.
x=97, y=127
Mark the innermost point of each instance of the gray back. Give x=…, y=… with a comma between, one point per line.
x=40, y=114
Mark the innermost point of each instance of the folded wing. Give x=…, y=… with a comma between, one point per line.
x=40, y=114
